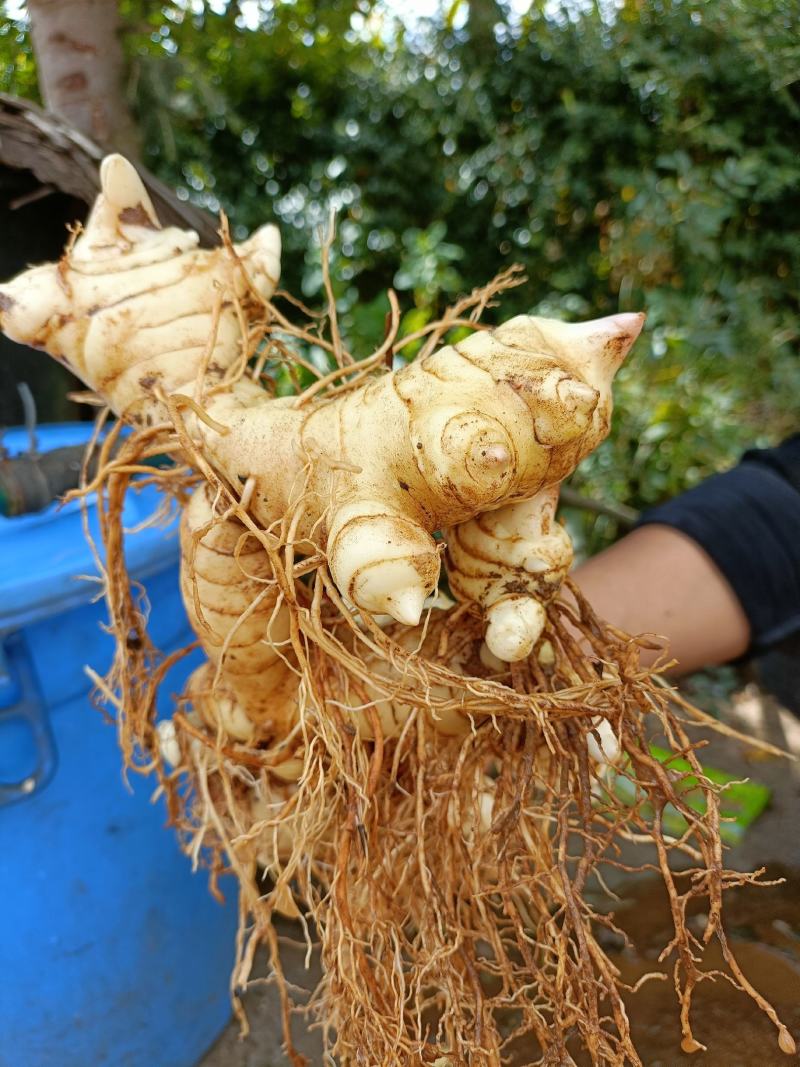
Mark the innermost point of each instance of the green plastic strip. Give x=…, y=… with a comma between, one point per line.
x=741, y=803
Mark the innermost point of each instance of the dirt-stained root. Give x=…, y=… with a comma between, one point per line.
x=451, y=878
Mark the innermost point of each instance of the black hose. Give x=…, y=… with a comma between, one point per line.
x=32, y=481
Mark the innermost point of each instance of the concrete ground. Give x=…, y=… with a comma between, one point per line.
x=262, y=1048
x=773, y=839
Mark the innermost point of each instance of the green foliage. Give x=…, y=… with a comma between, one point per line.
x=17, y=66
x=638, y=154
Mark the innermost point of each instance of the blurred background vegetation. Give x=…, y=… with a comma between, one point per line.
x=637, y=154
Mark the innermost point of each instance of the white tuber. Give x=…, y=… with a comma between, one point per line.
x=472, y=441
x=130, y=307
x=512, y=562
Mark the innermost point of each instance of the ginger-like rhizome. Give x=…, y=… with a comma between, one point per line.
x=429, y=783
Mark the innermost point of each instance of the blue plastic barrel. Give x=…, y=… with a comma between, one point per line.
x=112, y=953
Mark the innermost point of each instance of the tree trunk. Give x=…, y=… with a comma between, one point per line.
x=483, y=16
x=80, y=67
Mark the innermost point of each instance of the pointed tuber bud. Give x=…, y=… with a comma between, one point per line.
x=385, y=564
x=598, y=348
x=168, y=743
x=622, y=332
x=562, y=407
x=515, y=624
x=496, y=456
x=125, y=191
x=579, y=400
x=122, y=210
x=592, y=350
x=406, y=605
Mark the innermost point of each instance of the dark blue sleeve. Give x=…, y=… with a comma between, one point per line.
x=748, y=521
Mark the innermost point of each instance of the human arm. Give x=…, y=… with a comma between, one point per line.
x=716, y=570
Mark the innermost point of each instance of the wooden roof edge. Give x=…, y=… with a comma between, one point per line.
x=61, y=156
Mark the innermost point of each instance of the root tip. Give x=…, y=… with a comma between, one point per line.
x=786, y=1042
x=690, y=1045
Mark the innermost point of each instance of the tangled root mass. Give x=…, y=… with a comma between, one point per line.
x=450, y=880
